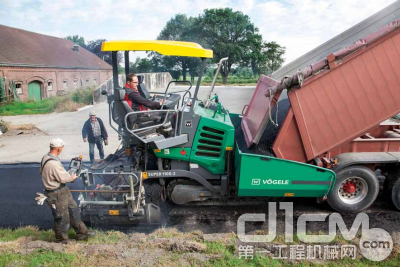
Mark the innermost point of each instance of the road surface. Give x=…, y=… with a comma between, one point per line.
x=30, y=147
x=19, y=184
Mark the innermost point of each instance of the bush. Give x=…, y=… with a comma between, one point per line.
x=71, y=102
x=82, y=96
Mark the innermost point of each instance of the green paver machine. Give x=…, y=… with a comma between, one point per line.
x=208, y=156
x=197, y=163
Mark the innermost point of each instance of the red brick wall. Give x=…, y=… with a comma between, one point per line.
x=26, y=75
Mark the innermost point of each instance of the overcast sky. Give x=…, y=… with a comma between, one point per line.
x=299, y=25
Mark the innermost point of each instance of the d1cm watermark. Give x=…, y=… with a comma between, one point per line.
x=375, y=244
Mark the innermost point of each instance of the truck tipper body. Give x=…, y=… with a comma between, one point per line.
x=340, y=104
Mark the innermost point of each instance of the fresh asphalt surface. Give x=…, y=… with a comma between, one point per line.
x=19, y=184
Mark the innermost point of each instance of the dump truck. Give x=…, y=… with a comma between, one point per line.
x=327, y=141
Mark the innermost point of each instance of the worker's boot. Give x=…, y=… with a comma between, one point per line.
x=86, y=235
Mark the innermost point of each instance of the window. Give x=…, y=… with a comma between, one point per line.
x=49, y=86
x=75, y=83
x=94, y=81
x=65, y=84
x=87, y=82
x=18, y=88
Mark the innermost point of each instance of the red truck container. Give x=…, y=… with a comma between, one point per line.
x=339, y=113
x=334, y=111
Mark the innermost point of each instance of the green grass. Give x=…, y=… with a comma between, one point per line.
x=231, y=80
x=230, y=258
x=70, y=102
x=222, y=253
x=109, y=237
x=37, y=258
x=7, y=234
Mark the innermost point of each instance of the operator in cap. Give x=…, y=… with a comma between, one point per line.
x=94, y=131
x=64, y=209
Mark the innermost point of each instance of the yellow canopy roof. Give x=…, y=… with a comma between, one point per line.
x=169, y=48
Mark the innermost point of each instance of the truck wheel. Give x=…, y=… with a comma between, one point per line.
x=356, y=188
x=391, y=189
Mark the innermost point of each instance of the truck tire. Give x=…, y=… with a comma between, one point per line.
x=391, y=189
x=356, y=188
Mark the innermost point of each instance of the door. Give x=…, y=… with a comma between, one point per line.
x=34, y=91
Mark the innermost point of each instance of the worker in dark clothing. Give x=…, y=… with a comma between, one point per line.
x=57, y=195
x=94, y=131
x=134, y=99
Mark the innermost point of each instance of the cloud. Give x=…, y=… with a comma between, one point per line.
x=303, y=25
x=299, y=25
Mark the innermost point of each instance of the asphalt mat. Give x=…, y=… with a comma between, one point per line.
x=18, y=208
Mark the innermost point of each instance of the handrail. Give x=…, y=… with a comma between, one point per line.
x=183, y=99
x=182, y=109
x=208, y=99
x=149, y=127
x=164, y=93
x=166, y=90
x=110, y=115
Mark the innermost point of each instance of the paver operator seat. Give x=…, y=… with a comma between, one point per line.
x=121, y=107
x=142, y=87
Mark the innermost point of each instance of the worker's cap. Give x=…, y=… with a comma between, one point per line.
x=92, y=113
x=56, y=142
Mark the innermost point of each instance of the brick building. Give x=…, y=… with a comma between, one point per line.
x=42, y=65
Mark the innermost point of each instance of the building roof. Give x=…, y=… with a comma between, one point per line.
x=169, y=48
x=23, y=48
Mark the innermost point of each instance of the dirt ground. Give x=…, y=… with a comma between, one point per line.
x=164, y=247
x=161, y=248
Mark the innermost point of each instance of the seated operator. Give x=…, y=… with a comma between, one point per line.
x=134, y=99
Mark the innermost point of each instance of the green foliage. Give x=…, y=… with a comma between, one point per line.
x=141, y=65
x=272, y=57
x=79, y=40
x=121, y=70
x=229, y=34
x=82, y=96
x=94, y=46
x=179, y=28
x=70, y=102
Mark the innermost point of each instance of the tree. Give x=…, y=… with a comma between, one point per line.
x=229, y=34
x=273, y=54
x=79, y=40
x=141, y=65
x=95, y=47
x=179, y=28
